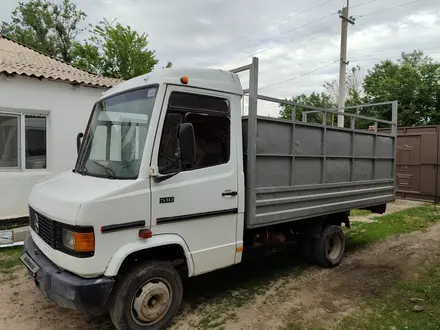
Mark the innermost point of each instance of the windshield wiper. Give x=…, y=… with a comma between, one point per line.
x=108, y=171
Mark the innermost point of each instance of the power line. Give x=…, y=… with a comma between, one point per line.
x=287, y=42
x=313, y=33
x=327, y=65
x=296, y=39
x=300, y=76
x=363, y=4
x=270, y=38
x=389, y=8
x=269, y=26
x=308, y=35
x=363, y=59
x=381, y=55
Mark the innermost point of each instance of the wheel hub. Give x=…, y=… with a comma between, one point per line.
x=151, y=302
x=334, y=247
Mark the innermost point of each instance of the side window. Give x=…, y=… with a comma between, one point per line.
x=212, y=128
x=168, y=161
x=213, y=139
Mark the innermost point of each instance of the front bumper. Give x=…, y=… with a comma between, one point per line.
x=66, y=289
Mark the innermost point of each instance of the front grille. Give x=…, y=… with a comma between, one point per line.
x=47, y=229
x=50, y=232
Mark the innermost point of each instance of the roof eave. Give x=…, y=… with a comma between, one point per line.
x=70, y=81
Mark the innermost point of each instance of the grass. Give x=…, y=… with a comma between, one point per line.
x=403, y=222
x=395, y=311
x=9, y=259
x=13, y=223
x=359, y=213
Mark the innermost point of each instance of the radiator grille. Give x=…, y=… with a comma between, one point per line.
x=47, y=229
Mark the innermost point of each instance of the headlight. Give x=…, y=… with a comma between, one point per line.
x=78, y=242
x=68, y=239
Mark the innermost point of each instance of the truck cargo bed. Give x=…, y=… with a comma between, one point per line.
x=296, y=170
x=305, y=170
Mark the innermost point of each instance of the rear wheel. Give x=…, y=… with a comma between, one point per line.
x=147, y=298
x=329, y=248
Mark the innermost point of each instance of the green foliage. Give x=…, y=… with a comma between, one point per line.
x=169, y=65
x=353, y=82
x=115, y=51
x=321, y=100
x=327, y=99
x=46, y=26
x=111, y=50
x=414, y=80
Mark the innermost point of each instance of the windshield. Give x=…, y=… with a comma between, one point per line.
x=114, y=142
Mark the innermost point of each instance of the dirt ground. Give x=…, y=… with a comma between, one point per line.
x=321, y=297
x=318, y=298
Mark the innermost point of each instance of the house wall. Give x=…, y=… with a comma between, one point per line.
x=68, y=108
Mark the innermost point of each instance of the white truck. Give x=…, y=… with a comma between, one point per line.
x=171, y=180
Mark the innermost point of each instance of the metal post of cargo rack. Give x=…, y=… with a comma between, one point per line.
x=353, y=133
x=292, y=147
x=324, y=149
x=251, y=156
x=376, y=124
x=304, y=117
x=394, y=134
x=252, y=131
x=242, y=103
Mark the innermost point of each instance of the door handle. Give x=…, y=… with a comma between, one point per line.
x=229, y=193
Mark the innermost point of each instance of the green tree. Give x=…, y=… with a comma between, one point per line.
x=115, y=51
x=354, y=97
x=169, y=65
x=353, y=82
x=46, y=26
x=414, y=81
x=321, y=100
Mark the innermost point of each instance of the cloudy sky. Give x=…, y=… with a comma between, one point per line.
x=294, y=39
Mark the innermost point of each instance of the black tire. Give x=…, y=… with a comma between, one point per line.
x=329, y=248
x=156, y=278
x=307, y=245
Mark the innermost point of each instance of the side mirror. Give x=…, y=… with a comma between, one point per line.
x=187, y=143
x=78, y=142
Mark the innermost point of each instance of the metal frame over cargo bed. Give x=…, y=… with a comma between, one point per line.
x=297, y=170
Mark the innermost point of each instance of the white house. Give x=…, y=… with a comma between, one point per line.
x=44, y=104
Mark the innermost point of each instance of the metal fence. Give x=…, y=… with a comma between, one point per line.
x=418, y=160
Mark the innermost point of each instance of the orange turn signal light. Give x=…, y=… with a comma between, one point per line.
x=145, y=233
x=84, y=242
x=184, y=80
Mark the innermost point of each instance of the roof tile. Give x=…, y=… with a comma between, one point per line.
x=16, y=58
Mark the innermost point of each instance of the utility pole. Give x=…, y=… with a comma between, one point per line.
x=345, y=19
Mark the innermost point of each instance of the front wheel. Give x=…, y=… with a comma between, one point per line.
x=329, y=248
x=147, y=297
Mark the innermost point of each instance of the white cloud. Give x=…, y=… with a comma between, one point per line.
x=218, y=33
x=424, y=19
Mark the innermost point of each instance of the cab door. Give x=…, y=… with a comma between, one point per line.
x=200, y=204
